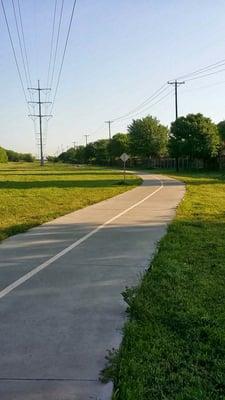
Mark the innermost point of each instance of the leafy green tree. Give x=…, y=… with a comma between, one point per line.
x=3, y=155
x=73, y=156
x=52, y=159
x=70, y=155
x=194, y=136
x=63, y=157
x=102, y=151
x=89, y=152
x=221, y=129
x=148, y=138
x=80, y=155
x=13, y=155
x=27, y=157
x=119, y=144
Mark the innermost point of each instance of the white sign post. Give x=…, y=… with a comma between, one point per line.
x=124, y=157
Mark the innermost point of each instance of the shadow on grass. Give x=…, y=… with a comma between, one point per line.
x=64, y=184
x=55, y=172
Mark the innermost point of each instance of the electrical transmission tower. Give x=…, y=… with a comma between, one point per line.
x=40, y=116
x=176, y=84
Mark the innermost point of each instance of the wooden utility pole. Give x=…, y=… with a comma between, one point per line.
x=109, y=123
x=86, y=138
x=176, y=84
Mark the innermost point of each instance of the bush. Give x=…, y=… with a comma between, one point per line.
x=16, y=157
x=3, y=155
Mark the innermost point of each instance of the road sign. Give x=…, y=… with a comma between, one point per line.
x=124, y=157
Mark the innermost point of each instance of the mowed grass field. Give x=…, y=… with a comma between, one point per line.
x=31, y=195
x=174, y=340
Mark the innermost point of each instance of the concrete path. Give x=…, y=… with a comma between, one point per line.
x=60, y=291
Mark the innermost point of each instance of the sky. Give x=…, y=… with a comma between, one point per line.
x=119, y=53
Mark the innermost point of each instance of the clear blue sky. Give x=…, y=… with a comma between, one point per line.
x=119, y=53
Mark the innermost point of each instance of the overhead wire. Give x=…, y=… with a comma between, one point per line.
x=24, y=42
x=205, y=86
x=47, y=94
x=14, y=54
x=150, y=105
x=20, y=43
x=203, y=69
x=64, y=53
x=52, y=42
x=51, y=76
x=205, y=75
x=157, y=93
x=57, y=44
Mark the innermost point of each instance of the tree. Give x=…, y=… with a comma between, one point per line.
x=148, y=138
x=119, y=144
x=80, y=154
x=52, y=159
x=3, y=155
x=13, y=155
x=27, y=157
x=102, y=151
x=89, y=152
x=16, y=157
x=70, y=155
x=194, y=136
x=221, y=129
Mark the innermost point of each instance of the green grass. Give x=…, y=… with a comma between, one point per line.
x=174, y=340
x=31, y=195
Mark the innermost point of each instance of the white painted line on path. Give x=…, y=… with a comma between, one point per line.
x=35, y=271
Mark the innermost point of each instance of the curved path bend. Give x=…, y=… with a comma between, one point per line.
x=60, y=291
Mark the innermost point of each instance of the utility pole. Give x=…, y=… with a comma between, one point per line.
x=40, y=116
x=109, y=123
x=86, y=138
x=176, y=84
x=74, y=145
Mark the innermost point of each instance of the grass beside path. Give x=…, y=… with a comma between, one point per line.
x=31, y=195
x=174, y=340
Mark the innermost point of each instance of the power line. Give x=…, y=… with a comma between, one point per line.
x=24, y=42
x=203, y=69
x=150, y=105
x=52, y=41
x=57, y=43
x=50, y=56
x=157, y=93
x=205, y=75
x=205, y=86
x=64, y=53
x=20, y=43
x=97, y=129
x=14, y=53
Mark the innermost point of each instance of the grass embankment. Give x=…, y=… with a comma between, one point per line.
x=31, y=195
x=174, y=340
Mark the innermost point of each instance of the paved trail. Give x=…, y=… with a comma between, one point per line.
x=60, y=291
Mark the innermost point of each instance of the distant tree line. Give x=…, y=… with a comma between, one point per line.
x=194, y=136
x=10, y=155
